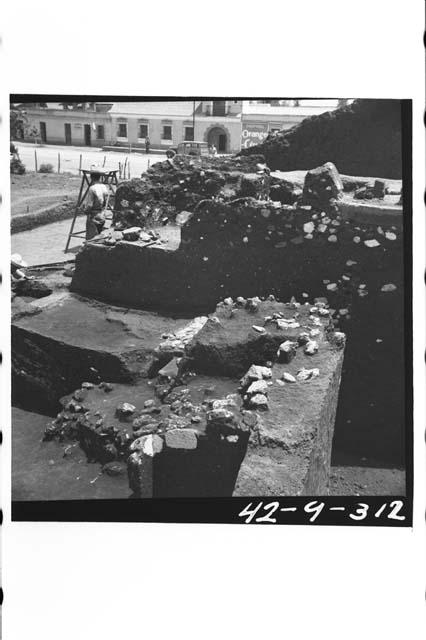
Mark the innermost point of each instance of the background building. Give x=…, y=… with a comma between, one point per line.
x=228, y=124
x=78, y=124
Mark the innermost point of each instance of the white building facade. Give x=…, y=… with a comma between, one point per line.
x=228, y=124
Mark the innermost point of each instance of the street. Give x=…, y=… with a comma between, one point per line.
x=70, y=158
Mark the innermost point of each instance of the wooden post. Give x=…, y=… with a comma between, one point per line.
x=104, y=161
x=128, y=170
x=148, y=163
x=35, y=160
x=79, y=167
x=59, y=162
x=119, y=170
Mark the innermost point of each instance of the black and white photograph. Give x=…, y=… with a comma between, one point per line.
x=208, y=298
x=212, y=232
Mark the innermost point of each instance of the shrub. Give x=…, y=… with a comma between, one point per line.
x=46, y=168
x=16, y=166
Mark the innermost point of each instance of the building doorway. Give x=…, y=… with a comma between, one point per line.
x=87, y=135
x=68, y=139
x=43, y=134
x=219, y=138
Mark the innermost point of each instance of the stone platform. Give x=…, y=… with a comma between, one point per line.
x=63, y=339
x=197, y=429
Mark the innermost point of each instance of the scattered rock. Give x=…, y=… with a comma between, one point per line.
x=388, y=287
x=181, y=439
x=389, y=235
x=288, y=377
x=221, y=422
x=303, y=337
x=149, y=445
x=311, y=347
x=106, y=386
x=258, y=386
x=286, y=351
x=307, y=374
x=125, y=409
x=256, y=372
x=372, y=243
x=114, y=468
x=249, y=418
x=259, y=329
x=131, y=234
x=258, y=401
x=170, y=370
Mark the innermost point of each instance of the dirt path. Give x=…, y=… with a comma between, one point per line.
x=46, y=244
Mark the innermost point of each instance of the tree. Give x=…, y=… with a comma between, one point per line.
x=20, y=127
x=18, y=122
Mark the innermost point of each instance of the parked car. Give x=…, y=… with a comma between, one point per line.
x=193, y=148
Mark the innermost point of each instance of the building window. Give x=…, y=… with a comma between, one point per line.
x=100, y=132
x=167, y=132
x=122, y=130
x=189, y=133
x=219, y=108
x=143, y=131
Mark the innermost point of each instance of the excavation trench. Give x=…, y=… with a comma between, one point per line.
x=127, y=293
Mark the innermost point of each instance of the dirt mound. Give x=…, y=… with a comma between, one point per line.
x=363, y=138
x=168, y=188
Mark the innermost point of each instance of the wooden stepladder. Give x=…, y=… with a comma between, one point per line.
x=107, y=177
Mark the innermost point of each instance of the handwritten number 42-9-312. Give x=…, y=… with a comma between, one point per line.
x=266, y=512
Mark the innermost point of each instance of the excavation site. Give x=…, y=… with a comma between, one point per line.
x=236, y=329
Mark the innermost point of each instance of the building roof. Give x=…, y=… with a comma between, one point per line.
x=164, y=108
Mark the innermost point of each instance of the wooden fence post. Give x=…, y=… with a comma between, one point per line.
x=128, y=170
x=104, y=161
x=59, y=162
x=35, y=160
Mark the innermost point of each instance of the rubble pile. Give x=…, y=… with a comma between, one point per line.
x=185, y=421
x=168, y=188
x=363, y=138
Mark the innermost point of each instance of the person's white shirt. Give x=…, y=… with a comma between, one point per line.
x=97, y=195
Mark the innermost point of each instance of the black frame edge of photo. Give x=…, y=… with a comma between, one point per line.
x=388, y=511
